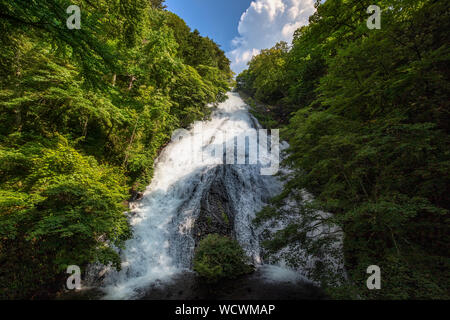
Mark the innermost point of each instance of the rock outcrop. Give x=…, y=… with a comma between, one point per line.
x=216, y=213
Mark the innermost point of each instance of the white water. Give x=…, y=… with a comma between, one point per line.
x=163, y=245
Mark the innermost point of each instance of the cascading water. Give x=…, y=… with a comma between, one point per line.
x=163, y=221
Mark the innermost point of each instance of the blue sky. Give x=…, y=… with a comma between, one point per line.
x=243, y=27
x=213, y=18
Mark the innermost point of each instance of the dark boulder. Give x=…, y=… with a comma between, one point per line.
x=216, y=213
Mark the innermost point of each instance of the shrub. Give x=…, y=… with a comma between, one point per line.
x=219, y=257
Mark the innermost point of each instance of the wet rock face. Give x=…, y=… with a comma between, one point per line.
x=135, y=196
x=216, y=212
x=253, y=286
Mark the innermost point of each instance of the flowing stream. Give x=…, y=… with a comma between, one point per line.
x=162, y=245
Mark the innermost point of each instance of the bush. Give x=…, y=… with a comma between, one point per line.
x=218, y=258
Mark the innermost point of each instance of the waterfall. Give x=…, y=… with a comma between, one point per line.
x=163, y=244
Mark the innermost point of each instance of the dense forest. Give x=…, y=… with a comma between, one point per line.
x=366, y=114
x=84, y=113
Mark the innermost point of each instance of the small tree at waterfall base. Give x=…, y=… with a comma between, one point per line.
x=218, y=257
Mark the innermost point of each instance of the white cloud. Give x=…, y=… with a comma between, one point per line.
x=265, y=23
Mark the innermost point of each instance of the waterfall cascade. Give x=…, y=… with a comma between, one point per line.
x=163, y=243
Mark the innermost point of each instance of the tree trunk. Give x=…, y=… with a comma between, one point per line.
x=114, y=80
x=130, y=143
x=18, y=110
x=130, y=85
x=85, y=126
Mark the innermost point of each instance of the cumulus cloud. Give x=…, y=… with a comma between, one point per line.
x=265, y=23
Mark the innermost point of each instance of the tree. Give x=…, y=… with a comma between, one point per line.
x=85, y=113
x=369, y=136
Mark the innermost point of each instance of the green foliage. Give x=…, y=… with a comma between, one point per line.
x=369, y=135
x=55, y=211
x=218, y=257
x=84, y=114
x=264, y=78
